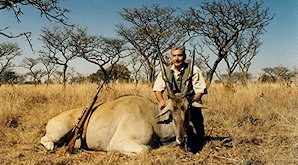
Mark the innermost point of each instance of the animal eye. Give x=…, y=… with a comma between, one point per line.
x=183, y=108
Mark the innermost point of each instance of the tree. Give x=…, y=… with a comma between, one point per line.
x=236, y=77
x=8, y=77
x=151, y=31
x=295, y=72
x=63, y=45
x=276, y=74
x=240, y=57
x=50, y=67
x=48, y=8
x=76, y=77
x=8, y=51
x=243, y=52
x=220, y=24
x=35, y=74
x=137, y=65
x=94, y=77
x=115, y=72
x=119, y=72
x=103, y=51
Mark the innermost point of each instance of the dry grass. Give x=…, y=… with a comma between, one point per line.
x=255, y=124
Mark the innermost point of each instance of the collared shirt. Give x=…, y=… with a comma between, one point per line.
x=198, y=81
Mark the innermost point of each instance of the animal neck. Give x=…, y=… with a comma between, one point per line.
x=165, y=132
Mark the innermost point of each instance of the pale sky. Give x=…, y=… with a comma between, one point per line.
x=280, y=42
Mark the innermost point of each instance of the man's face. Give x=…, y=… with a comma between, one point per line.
x=178, y=58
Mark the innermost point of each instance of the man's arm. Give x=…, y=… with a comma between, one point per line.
x=198, y=97
x=199, y=85
x=160, y=99
x=158, y=88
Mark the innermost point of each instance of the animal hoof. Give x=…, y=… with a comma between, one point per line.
x=46, y=143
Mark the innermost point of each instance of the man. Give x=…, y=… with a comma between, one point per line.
x=176, y=73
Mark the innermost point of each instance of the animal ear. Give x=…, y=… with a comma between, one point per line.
x=162, y=112
x=164, y=117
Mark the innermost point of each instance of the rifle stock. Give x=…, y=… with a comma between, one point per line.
x=77, y=130
x=78, y=127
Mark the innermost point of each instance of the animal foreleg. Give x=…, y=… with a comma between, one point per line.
x=55, y=130
x=129, y=147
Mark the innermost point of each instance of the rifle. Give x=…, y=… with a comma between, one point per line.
x=80, y=128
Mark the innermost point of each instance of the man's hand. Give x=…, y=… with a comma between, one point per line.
x=198, y=97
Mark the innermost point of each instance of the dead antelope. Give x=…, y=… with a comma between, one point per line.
x=129, y=124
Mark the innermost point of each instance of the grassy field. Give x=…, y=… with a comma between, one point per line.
x=254, y=124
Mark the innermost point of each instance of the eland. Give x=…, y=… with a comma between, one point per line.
x=129, y=124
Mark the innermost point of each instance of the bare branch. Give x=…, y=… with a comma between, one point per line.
x=63, y=45
x=48, y=8
x=152, y=30
x=222, y=23
x=8, y=52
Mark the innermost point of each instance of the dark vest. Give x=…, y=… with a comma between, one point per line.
x=178, y=85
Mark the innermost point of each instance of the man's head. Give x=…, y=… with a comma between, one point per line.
x=178, y=56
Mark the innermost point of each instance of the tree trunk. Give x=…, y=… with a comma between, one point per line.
x=212, y=71
x=151, y=74
x=64, y=74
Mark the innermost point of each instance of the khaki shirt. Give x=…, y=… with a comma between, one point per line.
x=198, y=81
